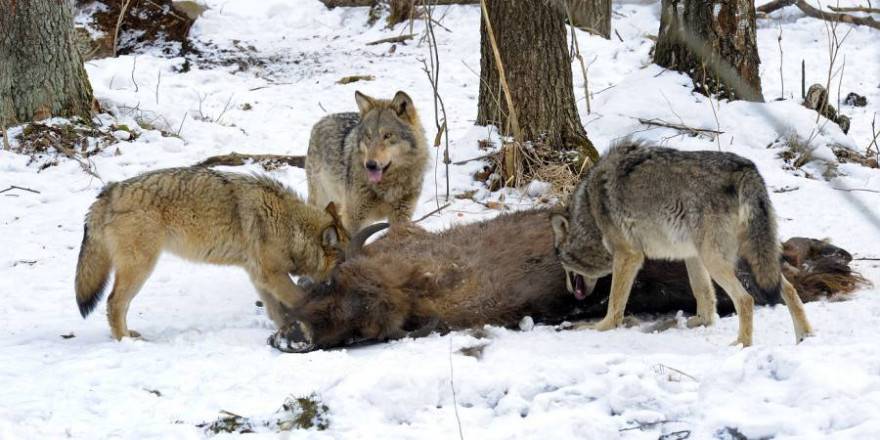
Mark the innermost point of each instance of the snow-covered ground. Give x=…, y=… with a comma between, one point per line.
x=204, y=342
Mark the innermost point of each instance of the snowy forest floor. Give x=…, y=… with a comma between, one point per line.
x=269, y=71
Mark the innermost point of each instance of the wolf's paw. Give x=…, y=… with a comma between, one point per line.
x=604, y=325
x=742, y=342
x=800, y=338
x=698, y=321
x=128, y=334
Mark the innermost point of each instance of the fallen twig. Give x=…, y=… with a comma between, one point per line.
x=12, y=187
x=485, y=156
x=236, y=159
x=355, y=78
x=679, y=127
x=84, y=163
x=433, y=212
x=397, y=39
x=856, y=190
x=648, y=425
x=270, y=85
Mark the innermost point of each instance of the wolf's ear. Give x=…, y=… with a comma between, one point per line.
x=560, y=228
x=330, y=237
x=364, y=102
x=337, y=221
x=403, y=106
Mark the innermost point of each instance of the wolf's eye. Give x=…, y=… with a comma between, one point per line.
x=388, y=136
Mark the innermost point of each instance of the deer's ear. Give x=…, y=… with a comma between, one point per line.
x=337, y=221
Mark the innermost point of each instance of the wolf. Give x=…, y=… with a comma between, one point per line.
x=371, y=164
x=710, y=209
x=207, y=216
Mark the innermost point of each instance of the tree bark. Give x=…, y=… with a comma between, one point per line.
x=714, y=42
x=593, y=16
x=41, y=73
x=531, y=38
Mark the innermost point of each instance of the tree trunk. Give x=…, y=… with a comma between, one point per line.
x=593, y=16
x=531, y=38
x=41, y=72
x=714, y=42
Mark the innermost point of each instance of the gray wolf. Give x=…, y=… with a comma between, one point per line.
x=207, y=216
x=371, y=164
x=410, y=282
x=710, y=209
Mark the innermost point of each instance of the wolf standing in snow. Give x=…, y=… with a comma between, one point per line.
x=707, y=208
x=370, y=163
x=208, y=216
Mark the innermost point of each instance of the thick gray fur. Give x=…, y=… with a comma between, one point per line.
x=708, y=208
x=387, y=132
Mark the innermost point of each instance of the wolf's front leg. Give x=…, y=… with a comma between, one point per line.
x=275, y=309
x=279, y=284
x=626, y=267
x=357, y=209
x=402, y=211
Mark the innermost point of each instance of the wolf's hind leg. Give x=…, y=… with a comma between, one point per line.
x=130, y=277
x=802, y=327
x=135, y=248
x=704, y=293
x=724, y=273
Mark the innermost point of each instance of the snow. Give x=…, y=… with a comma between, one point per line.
x=204, y=341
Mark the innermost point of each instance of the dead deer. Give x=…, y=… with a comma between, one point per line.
x=412, y=282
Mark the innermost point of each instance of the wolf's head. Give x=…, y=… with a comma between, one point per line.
x=389, y=135
x=580, y=249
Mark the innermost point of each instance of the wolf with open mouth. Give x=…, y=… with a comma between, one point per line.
x=371, y=163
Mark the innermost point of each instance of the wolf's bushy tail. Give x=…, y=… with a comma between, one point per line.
x=93, y=267
x=759, y=244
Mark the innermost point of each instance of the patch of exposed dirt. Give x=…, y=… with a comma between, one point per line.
x=146, y=25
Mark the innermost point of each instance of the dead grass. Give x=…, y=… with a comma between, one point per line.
x=47, y=144
x=306, y=412
x=561, y=169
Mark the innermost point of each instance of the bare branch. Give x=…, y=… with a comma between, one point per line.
x=122, y=12
x=855, y=9
x=836, y=16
